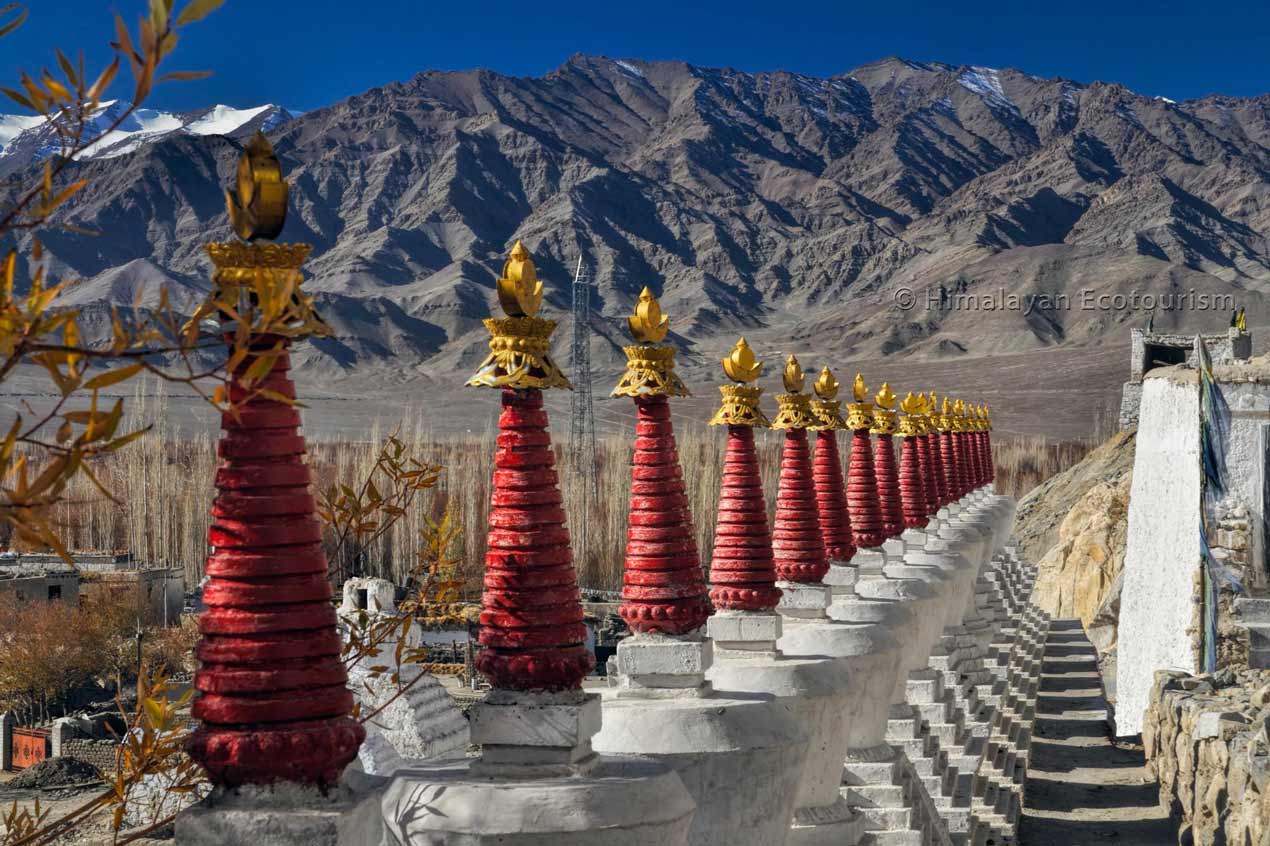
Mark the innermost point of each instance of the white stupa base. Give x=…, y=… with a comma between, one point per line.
x=620, y=802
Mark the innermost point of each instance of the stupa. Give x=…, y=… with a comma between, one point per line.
x=740, y=759
x=535, y=727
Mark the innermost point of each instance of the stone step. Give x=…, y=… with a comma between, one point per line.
x=886, y=819
x=907, y=837
x=876, y=796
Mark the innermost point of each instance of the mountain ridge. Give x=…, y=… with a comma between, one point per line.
x=792, y=208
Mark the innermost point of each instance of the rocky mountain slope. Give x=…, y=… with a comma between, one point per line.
x=797, y=210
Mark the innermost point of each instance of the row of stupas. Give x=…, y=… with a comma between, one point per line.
x=756, y=709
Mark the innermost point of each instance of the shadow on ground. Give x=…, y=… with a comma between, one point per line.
x=1082, y=789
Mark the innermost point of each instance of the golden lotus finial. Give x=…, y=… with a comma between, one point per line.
x=648, y=326
x=959, y=408
x=913, y=404
x=259, y=207
x=519, y=288
x=860, y=390
x=947, y=407
x=741, y=364
x=826, y=386
x=932, y=403
x=885, y=398
x=793, y=376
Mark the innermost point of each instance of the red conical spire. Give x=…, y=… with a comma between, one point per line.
x=797, y=543
x=742, y=571
x=938, y=476
x=948, y=454
x=862, y=488
x=831, y=489
x=890, y=505
x=831, y=497
x=274, y=702
x=663, y=589
x=912, y=481
x=531, y=610
x=989, y=469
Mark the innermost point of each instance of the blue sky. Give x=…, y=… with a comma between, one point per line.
x=307, y=53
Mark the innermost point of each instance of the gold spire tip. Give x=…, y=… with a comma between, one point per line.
x=793, y=376
x=885, y=398
x=860, y=390
x=258, y=209
x=913, y=404
x=826, y=385
x=647, y=325
x=741, y=365
x=519, y=288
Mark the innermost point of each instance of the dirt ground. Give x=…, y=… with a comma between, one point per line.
x=1082, y=789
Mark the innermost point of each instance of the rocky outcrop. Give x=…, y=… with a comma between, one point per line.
x=1075, y=524
x=1206, y=739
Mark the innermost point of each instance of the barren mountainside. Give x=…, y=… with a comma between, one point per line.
x=791, y=208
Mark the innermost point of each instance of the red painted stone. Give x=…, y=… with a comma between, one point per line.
x=531, y=611
x=952, y=466
x=831, y=498
x=862, y=493
x=742, y=570
x=273, y=700
x=938, y=471
x=912, y=483
x=797, y=543
x=924, y=463
x=989, y=467
x=663, y=588
x=974, y=457
x=961, y=447
x=890, y=503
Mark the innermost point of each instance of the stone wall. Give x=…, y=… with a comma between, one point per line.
x=99, y=753
x=1130, y=400
x=1206, y=740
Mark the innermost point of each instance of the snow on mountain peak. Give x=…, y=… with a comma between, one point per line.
x=986, y=82
x=27, y=138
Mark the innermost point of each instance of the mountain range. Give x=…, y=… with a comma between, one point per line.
x=904, y=213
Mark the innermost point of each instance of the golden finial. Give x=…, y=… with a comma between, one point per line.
x=519, y=288
x=859, y=390
x=914, y=420
x=520, y=343
x=650, y=369
x=826, y=386
x=647, y=325
x=827, y=409
x=884, y=415
x=942, y=414
x=259, y=208
x=741, y=365
x=740, y=400
x=860, y=412
x=885, y=398
x=795, y=406
x=987, y=418
x=793, y=376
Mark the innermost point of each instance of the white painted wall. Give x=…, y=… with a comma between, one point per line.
x=1163, y=548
